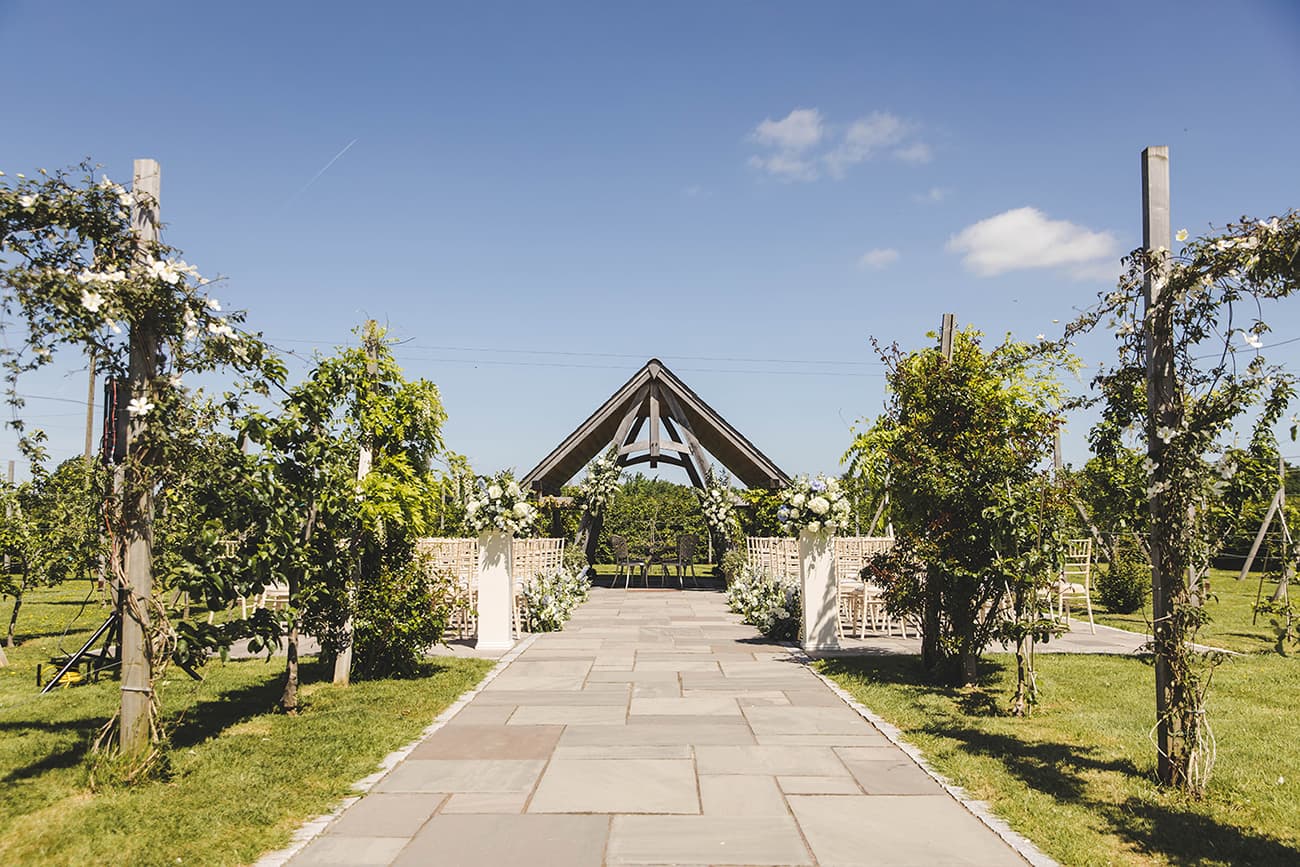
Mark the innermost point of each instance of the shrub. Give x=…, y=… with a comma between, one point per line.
x=733, y=565
x=399, y=615
x=575, y=559
x=549, y=599
x=1124, y=585
x=766, y=602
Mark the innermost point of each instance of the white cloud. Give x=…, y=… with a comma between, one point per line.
x=918, y=152
x=801, y=145
x=932, y=195
x=797, y=131
x=878, y=258
x=1025, y=238
x=864, y=139
x=788, y=167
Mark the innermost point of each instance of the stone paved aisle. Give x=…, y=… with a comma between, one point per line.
x=656, y=730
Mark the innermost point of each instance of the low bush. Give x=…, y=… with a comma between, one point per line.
x=766, y=602
x=549, y=599
x=733, y=565
x=1124, y=585
x=398, y=616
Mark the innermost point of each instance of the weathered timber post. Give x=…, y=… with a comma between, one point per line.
x=1163, y=410
x=365, y=455
x=137, y=492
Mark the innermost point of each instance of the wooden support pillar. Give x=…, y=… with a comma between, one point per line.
x=1162, y=410
x=138, y=498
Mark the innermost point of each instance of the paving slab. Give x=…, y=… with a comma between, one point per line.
x=915, y=830
x=705, y=840
x=490, y=742
x=499, y=841
x=617, y=786
x=380, y=814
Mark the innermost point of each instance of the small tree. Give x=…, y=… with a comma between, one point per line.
x=49, y=527
x=324, y=533
x=963, y=441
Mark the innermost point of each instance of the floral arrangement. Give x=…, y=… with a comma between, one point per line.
x=766, y=602
x=715, y=501
x=549, y=599
x=602, y=480
x=498, y=503
x=814, y=504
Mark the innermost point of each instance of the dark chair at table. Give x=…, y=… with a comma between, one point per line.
x=624, y=561
x=687, y=545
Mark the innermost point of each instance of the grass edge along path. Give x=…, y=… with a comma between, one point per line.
x=1077, y=778
x=242, y=779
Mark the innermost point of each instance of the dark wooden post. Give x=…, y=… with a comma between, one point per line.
x=1163, y=410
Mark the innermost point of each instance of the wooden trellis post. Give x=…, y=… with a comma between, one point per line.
x=1163, y=410
x=138, y=499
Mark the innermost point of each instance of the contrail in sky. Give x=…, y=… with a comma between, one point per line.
x=324, y=169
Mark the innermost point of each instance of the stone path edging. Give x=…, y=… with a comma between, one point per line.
x=979, y=809
x=312, y=828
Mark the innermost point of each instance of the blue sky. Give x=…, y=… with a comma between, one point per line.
x=540, y=197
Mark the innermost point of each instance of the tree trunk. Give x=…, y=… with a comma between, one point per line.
x=289, y=698
x=931, y=653
x=13, y=617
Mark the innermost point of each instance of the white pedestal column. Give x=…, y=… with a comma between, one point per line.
x=495, y=599
x=817, y=592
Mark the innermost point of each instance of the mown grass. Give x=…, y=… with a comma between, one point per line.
x=1231, y=607
x=1077, y=778
x=241, y=776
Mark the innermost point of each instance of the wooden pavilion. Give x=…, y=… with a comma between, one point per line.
x=679, y=429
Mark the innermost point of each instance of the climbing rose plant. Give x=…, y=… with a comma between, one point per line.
x=76, y=276
x=1210, y=303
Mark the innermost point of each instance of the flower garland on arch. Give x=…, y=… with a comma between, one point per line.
x=601, y=483
x=818, y=504
x=716, y=502
x=499, y=504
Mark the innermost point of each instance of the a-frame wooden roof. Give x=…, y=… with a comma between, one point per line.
x=683, y=431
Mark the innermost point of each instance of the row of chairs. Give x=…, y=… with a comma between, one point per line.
x=860, y=602
x=459, y=559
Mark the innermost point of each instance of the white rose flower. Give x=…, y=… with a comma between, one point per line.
x=494, y=492
x=798, y=500
x=815, y=526
x=819, y=505
x=91, y=300
x=522, y=510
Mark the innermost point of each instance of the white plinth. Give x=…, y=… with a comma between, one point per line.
x=495, y=597
x=817, y=592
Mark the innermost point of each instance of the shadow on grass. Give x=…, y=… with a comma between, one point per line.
x=1174, y=829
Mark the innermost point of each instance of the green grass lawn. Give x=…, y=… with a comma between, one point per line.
x=241, y=778
x=1231, y=608
x=1077, y=777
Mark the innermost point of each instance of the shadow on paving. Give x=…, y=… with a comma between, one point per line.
x=1063, y=770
